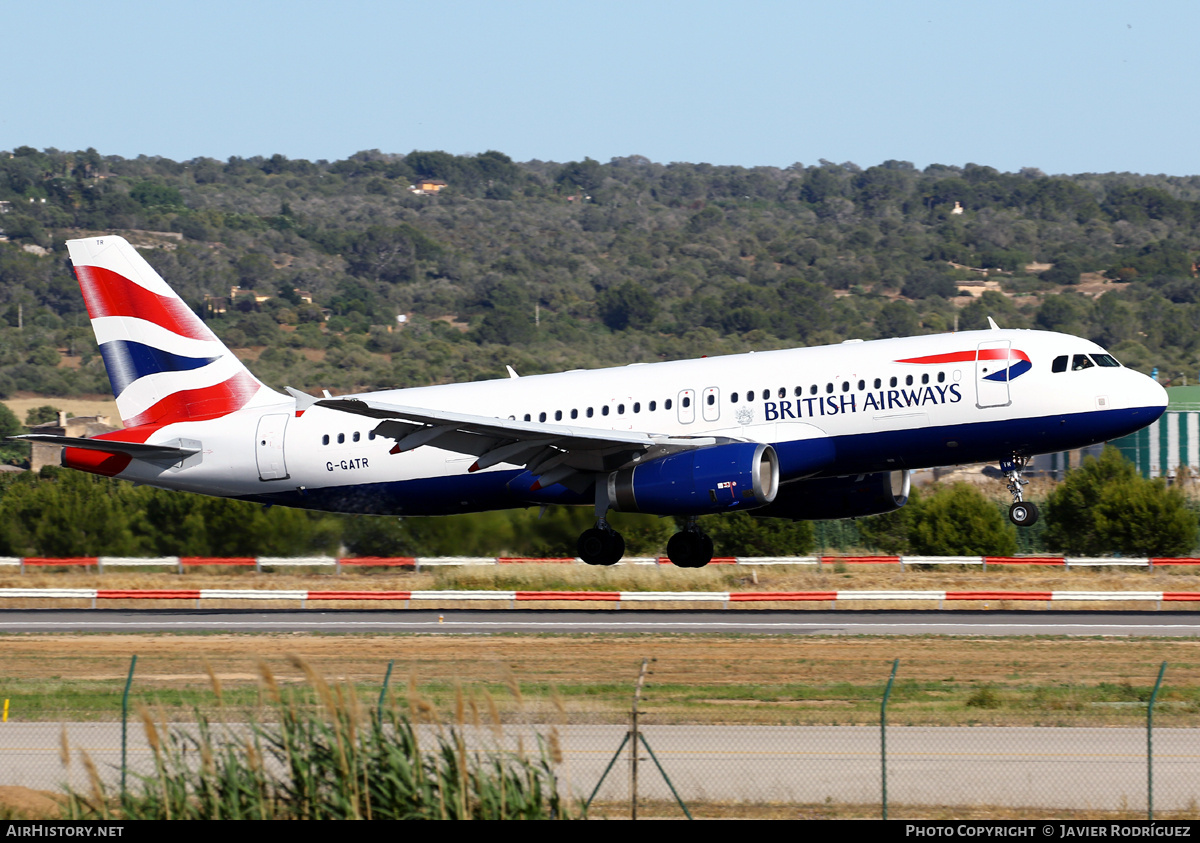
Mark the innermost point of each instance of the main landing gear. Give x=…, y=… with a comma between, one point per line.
x=690, y=548
x=601, y=545
x=1022, y=512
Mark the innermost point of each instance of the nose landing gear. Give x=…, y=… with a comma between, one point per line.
x=1022, y=512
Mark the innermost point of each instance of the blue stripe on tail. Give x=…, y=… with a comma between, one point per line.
x=128, y=361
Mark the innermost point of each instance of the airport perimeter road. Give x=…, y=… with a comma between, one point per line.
x=1044, y=767
x=550, y=621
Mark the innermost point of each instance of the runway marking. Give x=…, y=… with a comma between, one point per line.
x=443, y=625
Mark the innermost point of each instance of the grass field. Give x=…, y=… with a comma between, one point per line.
x=695, y=679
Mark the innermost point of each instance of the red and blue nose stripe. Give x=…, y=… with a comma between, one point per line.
x=1018, y=360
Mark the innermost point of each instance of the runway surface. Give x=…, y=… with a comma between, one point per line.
x=493, y=621
x=1042, y=767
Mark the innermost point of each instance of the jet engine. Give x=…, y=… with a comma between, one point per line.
x=720, y=478
x=840, y=497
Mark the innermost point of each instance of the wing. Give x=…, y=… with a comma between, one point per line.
x=553, y=453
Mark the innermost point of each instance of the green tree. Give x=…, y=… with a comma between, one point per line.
x=11, y=453
x=41, y=415
x=629, y=305
x=1106, y=507
x=959, y=521
x=741, y=534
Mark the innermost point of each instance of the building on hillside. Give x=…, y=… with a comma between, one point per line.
x=428, y=187
x=1173, y=441
x=83, y=427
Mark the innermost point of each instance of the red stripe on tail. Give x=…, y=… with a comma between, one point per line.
x=108, y=294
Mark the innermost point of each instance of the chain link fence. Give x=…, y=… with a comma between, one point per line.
x=1139, y=758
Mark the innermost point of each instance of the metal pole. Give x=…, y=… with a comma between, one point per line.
x=633, y=742
x=1150, y=745
x=887, y=692
x=125, y=721
x=383, y=691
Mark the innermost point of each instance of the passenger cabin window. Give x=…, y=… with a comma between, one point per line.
x=541, y=417
x=637, y=405
x=783, y=392
x=829, y=387
x=341, y=438
x=667, y=404
x=712, y=399
x=812, y=390
x=908, y=380
x=325, y=439
x=733, y=397
x=941, y=377
x=653, y=406
x=357, y=436
x=1059, y=364
x=687, y=402
x=750, y=395
x=766, y=395
x=589, y=412
x=1081, y=361
x=892, y=382
x=878, y=382
x=862, y=385
x=558, y=415
x=845, y=386
x=925, y=378
x=799, y=391
x=574, y=414
x=527, y=418
x=604, y=410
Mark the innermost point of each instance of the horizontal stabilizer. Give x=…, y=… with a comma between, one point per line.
x=137, y=450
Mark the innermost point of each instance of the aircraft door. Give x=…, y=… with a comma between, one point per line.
x=268, y=447
x=992, y=365
x=710, y=404
x=687, y=406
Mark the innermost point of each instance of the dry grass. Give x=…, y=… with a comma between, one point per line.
x=534, y=577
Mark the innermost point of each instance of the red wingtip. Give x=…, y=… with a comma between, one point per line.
x=474, y=467
x=536, y=487
x=395, y=449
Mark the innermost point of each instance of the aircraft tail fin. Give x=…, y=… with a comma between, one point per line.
x=163, y=362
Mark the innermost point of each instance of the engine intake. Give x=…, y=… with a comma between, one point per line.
x=739, y=475
x=840, y=497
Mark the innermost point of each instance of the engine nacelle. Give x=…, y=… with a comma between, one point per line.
x=739, y=475
x=840, y=497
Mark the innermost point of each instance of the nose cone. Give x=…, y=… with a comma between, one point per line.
x=1155, y=396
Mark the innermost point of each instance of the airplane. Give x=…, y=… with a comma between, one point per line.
x=806, y=433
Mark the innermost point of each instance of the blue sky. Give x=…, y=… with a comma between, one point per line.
x=1067, y=87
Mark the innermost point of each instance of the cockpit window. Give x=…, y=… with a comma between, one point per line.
x=1081, y=361
x=1106, y=360
x=1059, y=364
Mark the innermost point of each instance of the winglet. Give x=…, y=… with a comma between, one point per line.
x=993, y=324
x=303, y=399
x=512, y=373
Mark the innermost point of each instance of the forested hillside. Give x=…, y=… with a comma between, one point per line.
x=550, y=266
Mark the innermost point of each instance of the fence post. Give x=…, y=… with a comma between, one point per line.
x=383, y=691
x=125, y=721
x=887, y=692
x=633, y=742
x=1150, y=745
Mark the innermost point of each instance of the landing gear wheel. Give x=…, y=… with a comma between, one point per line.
x=1023, y=514
x=599, y=546
x=690, y=549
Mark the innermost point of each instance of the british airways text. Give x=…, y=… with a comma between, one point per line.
x=885, y=399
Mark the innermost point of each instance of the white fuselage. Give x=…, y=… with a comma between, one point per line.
x=954, y=406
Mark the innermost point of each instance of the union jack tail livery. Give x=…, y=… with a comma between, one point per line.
x=163, y=362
